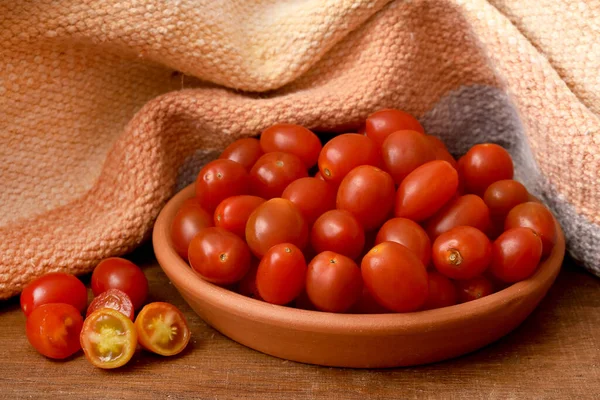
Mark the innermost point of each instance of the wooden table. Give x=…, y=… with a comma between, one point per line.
x=555, y=354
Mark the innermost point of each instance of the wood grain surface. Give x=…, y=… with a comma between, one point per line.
x=554, y=354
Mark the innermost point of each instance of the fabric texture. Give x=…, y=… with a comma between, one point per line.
x=108, y=107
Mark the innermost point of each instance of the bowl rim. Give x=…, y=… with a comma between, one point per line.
x=187, y=280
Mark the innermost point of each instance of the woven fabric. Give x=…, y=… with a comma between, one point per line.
x=108, y=107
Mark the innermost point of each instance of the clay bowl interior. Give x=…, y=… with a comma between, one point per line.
x=352, y=340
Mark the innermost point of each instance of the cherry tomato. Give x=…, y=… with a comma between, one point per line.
x=440, y=151
x=302, y=302
x=442, y=292
x=122, y=274
x=485, y=164
x=108, y=338
x=53, y=330
x=395, y=276
x=273, y=222
x=467, y=210
x=333, y=282
x=366, y=304
x=162, y=329
x=425, y=190
x=382, y=123
x=233, y=213
x=462, y=253
x=403, y=151
x=54, y=287
x=312, y=196
x=273, y=172
x=219, y=256
x=245, y=151
x=338, y=231
x=293, y=139
x=247, y=286
x=407, y=233
x=368, y=193
x=190, y=219
x=281, y=274
x=515, y=255
x=536, y=217
x=502, y=196
x=345, y=152
x=218, y=180
x=319, y=176
x=474, y=288
x=115, y=299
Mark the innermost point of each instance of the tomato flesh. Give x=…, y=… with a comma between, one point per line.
x=53, y=330
x=162, y=329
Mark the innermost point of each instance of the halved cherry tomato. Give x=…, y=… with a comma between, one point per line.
x=273, y=172
x=442, y=292
x=162, y=329
x=536, y=217
x=293, y=139
x=312, y=196
x=281, y=274
x=218, y=180
x=516, y=255
x=407, y=233
x=122, y=274
x=233, y=213
x=345, y=152
x=474, y=288
x=108, y=338
x=53, y=329
x=245, y=151
x=54, y=287
x=403, y=151
x=467, y=210
x=395, y=277
x=338, y=231
x=333, y=282
x=368, y=193
x=219, y=256
x=382, y=123
x=462, y=253
x=483, y=165
x=425, y=190
x=115, y=299
x=189, y=220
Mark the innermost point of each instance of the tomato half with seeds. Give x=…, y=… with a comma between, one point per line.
x=108, y=338
x=190, y=219
x=245, y=151
x=54, y=287
x=53, y=330
x=345, y=152
x=162, y=329
x=463, y=252
x=233, y=213
x=293, y=139
x=122, y=274
x=218, y=180
x=115, y=299
x=474, y=288
x=536, y=217
x=382, y=123
x=467, y=210
x=273, y=172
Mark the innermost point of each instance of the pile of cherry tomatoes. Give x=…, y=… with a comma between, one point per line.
x=54, y=304
x=384, y=220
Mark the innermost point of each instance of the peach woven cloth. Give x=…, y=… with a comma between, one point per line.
x=109, y=107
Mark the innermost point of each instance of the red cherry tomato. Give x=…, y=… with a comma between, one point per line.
x=247, y=286
x=54, y=287
x=395, y=276
x=536, y=217
x=333, y=282
x=467, y=210
x=281, y=274
x=407, y=233
x=338, y=231
x=319, y=176
x=115, y=299
x=503, y=196
x=162, y=329
x=425, y=190
x=312, y=196
x=53, y=330
x=440, y=150
x=474, y=288
x=368, y=193
x=244, y=151
x=516, y=255
x=302, y=302
x=219, y=256
x=108, y=338
x=122, y=274
x=293, y=139
x=462, y=253
x=382, y=123
x=273, y=172
x=403, y=151
x=345, y=152
x=366, y=304
x=483, y=165
x=442, y=292
x=273, y=222
x=218, y=180
x=190, y=219
x=232, y=213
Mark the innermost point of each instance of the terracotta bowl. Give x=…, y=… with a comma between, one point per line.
x=352, y=340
